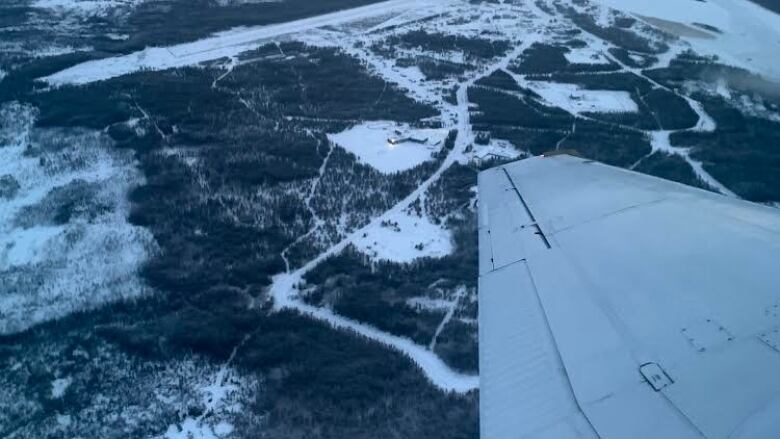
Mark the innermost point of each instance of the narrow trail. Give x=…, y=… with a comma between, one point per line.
x=318, y=222
x=447, y=317
x=229, y=67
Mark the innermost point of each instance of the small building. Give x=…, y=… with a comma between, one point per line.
x=397, y=140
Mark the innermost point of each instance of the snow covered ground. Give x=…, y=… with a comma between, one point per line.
x=58, y=50
x=63, y=214
x=750, y=34
x=372, y=143
x=395, y=235
x=404, y=238
x=85, y=8
x=428, y=304
x=496, y=149
x=577, y=100
x=221, y=45
x=218, y=398
x=60, y=386
x=284, y=291
x=585, y=55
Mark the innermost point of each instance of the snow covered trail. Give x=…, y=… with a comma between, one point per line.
x=434, y=368
x=318, y=222
x=220, y=45
x=452, y=307
x=660, y=142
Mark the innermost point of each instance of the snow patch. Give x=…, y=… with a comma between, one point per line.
x=51, y=51
x=585, y=55
x=388, y=146
x=223, y=428
x=59, y=386
x=428, y=304
x=117, y=37
x=403, y=238
x=191, y=428
x=576, y=100
x=27, y=246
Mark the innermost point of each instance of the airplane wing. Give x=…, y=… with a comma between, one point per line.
x=617, y=305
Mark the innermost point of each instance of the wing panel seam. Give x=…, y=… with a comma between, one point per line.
x=535, y=223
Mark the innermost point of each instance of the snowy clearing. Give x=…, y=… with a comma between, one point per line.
x=388, y=146
x=585, y=55
x=63, y=214
x=403, y=238
x=576, y=100
x=428, y=304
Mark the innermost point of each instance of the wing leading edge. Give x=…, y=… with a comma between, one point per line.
x=618, y=305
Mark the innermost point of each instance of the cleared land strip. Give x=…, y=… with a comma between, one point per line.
x=224, y=44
